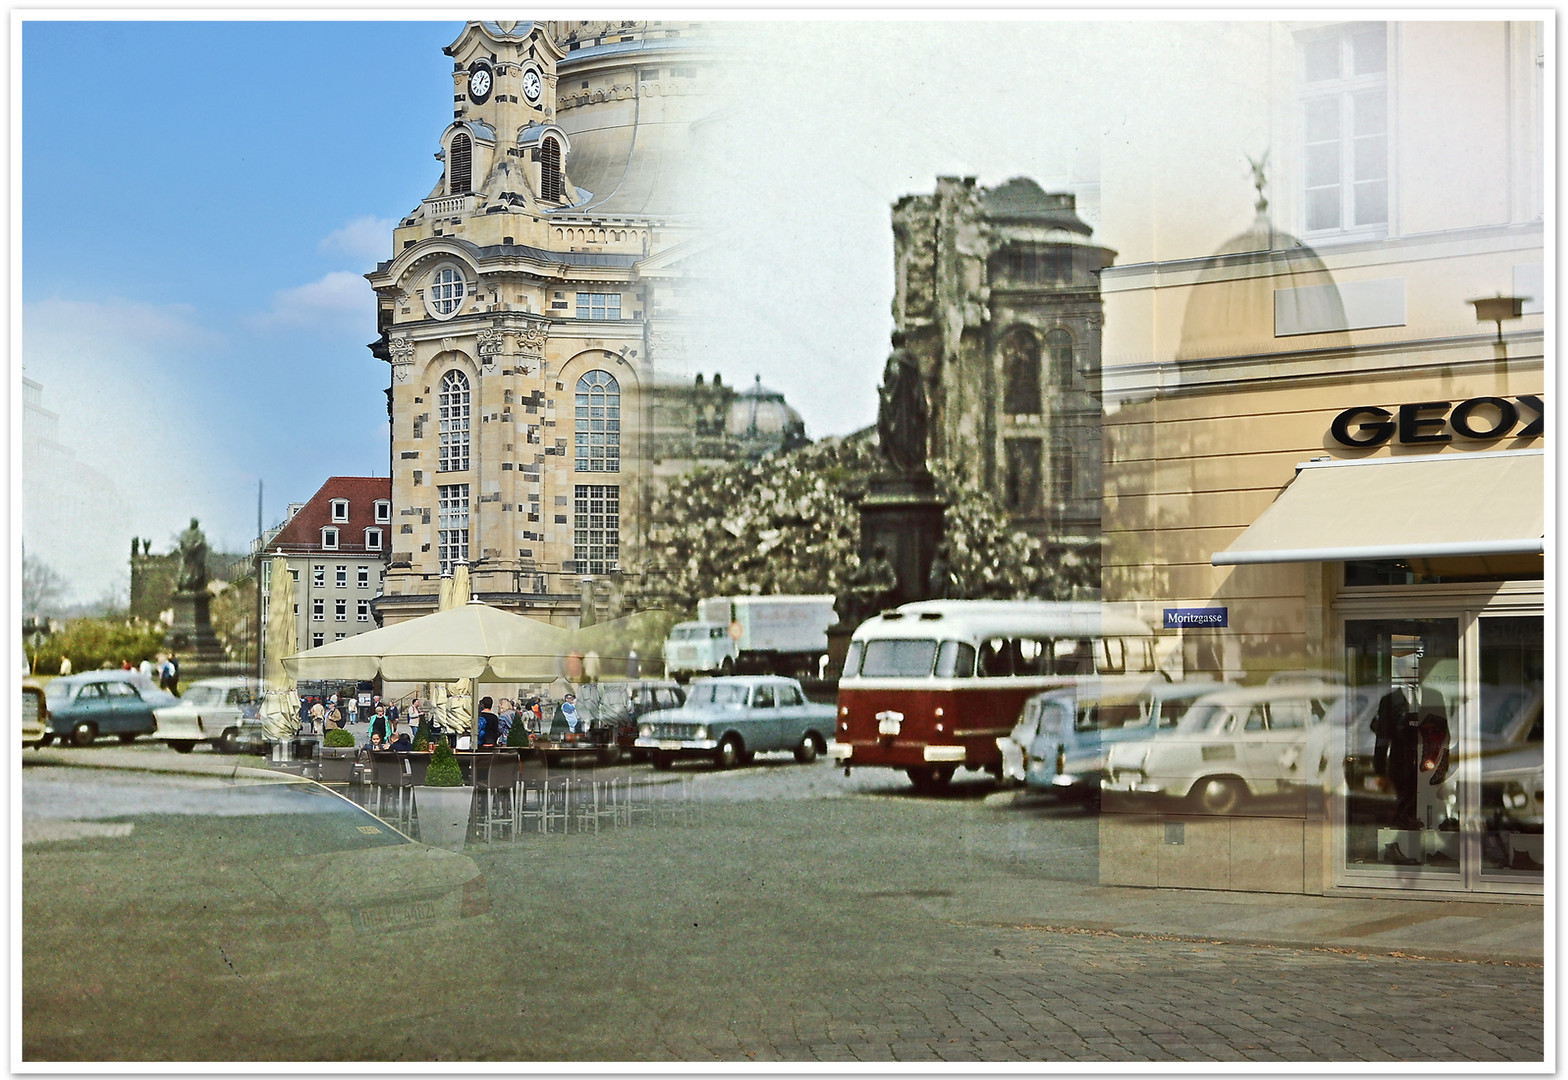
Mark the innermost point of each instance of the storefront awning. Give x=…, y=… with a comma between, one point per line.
x=1403, y=507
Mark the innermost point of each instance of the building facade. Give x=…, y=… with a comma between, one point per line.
x=997, y=294
x=337, y=547
x=528, y=302
x=1324, y=461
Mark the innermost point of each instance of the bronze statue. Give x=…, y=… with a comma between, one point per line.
x=193, y=559
x=901, y=414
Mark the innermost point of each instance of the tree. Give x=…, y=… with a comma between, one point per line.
x=96, y=643
x=42, y=588
x=788, y=524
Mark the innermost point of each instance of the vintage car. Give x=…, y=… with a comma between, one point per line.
x=223, y=712
x=34, y=714
x=612, y=711
x=1064, y=749
x=731, y=719
x=1236, y=744
x=93, y=703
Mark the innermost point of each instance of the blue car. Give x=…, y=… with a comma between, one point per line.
x=83, y=707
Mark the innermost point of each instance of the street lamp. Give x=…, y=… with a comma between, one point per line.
x=1498, y=309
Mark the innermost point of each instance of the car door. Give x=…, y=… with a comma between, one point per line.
x=126, y=711
x=794, y=715
x=762, y=719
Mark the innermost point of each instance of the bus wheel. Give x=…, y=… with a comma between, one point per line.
x=931, y=778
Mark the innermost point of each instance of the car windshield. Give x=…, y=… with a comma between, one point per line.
x=1199, y=717
x=204, y=695
x=895, y=658
x=718, y=693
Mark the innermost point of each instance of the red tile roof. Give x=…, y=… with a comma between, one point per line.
x=303, y=530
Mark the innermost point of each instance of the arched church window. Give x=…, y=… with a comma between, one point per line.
x=1059, y=343
x=598, y=423
x=551, y=185
x=461, y=173
x=454, y=405
x=1021, y=373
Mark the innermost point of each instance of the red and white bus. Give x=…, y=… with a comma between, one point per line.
x=929, y=686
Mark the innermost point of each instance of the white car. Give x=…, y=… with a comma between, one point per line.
x=1236, y=744
x=217, y=711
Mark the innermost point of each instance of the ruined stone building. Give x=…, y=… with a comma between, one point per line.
x=997, y=292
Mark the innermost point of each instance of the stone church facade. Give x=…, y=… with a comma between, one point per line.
x=528, y=300
x=997, y=293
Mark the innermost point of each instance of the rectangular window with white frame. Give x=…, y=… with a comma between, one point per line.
x=598, y=306
x=318, y=611
x=329, y=538
x=363, y=611
x=342, y=577
x=1346, y=137
x=340, y=611
x=383, y=511
x=597, y=529
x=318, y=575
x=339, y=509
x=452, y=525
x=364, y=577
x=318, y=640
x=372, y=539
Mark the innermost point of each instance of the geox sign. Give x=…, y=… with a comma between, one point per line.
x=1439, y=421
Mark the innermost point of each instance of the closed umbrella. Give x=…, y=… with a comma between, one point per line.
x=460, y=705
x=280, y=702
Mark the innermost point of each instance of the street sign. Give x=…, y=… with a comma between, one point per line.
x=1196, y=618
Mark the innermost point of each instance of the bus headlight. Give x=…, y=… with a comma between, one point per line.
x=646, y=731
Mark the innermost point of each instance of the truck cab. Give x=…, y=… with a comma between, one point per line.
x=699, y=648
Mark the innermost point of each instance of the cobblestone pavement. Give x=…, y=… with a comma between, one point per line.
x=842, y=929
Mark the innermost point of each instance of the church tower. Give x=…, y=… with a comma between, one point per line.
x=514, y=315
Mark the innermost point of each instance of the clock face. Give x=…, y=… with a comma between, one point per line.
x=532, y=85
x=479, y=84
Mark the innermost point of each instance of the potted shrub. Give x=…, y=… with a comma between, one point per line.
x=418, y=756
x=337, y=756
x=443, y=802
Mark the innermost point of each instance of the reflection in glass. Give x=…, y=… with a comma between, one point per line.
x=1512, y=742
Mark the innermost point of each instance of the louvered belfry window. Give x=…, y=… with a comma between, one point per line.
x=462, y=171
x=551, y=186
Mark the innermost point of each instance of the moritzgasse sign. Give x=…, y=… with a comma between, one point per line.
x=1205, y=618
x=1424, y=422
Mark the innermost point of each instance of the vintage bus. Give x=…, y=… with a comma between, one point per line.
x=929, y=686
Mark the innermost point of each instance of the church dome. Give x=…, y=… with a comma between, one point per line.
x=1259, y=279
x=761, y=419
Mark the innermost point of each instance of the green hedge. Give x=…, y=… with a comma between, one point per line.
x=443, y=770
x=337, y=737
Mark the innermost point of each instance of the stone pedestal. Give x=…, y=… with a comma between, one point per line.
x=191, y=638
x=901, y=520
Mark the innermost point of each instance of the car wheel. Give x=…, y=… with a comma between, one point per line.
x=182, y=746
x=729, y=753
x=128, y=736
x=1218, y=795
x=806, y=752
x=931, y=778
x=228, y=742
x=43, y=742
x=83, y=734
x=663, y=759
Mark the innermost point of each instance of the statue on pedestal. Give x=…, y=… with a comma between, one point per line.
x=193, y=559
x=901, y=411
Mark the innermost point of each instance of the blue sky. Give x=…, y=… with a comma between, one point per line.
x=200, y=202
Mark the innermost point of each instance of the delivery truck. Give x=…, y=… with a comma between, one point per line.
x=756, y=635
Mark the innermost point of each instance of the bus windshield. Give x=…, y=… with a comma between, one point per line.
x=892, y=658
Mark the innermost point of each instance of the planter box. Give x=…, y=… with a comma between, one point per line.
x=337, y=764
x=443, y=815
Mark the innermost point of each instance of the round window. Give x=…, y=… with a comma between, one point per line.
x=446, y=291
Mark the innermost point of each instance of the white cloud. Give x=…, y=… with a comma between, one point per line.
x=339, y=301
x=367, y=240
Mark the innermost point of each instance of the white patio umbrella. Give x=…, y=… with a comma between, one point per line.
x=469, y=642
x=280, y=701
x=441, y=693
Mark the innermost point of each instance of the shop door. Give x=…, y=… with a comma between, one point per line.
x=1444, y=752
x=1404, y=790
